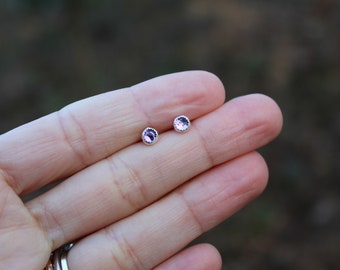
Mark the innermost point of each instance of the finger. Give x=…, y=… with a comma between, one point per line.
x=149, y=237
x=199, y=257
x=135, y=177
x=82, y=133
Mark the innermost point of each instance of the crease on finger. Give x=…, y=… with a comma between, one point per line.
x=48, y=223
x=132, y=190
x=10, y=180
x=123, y=254
x=73, y=134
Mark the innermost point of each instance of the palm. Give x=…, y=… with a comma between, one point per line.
x=22, y=241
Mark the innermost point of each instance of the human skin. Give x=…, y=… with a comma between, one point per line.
x=128, y=205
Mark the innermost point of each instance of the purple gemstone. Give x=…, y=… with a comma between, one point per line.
x=149, y=136
x=181, y=123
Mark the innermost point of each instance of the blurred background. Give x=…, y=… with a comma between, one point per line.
x=55, y=52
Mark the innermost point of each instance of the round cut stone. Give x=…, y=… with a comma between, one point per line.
x=181, y=123
x=149, y=136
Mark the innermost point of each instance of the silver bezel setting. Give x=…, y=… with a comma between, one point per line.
x=181, y=123
x=149, y=136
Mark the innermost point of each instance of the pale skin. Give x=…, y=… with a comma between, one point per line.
x=132, y=206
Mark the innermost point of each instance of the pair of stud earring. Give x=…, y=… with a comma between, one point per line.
x=150, y=135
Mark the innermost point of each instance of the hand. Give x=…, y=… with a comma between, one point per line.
x=128, y=205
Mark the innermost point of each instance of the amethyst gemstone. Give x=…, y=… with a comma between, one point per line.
x=149, y=136
x=181, y=123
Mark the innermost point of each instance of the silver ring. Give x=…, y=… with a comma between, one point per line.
x=58, y=259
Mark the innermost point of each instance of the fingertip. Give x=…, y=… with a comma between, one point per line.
x=208, y=88
x=250, y=175
x=273, y=109
x=214, y=257
x=197, y=257
x=258, y=167
x=271, y=112
x=261, y=114
x=212, y=82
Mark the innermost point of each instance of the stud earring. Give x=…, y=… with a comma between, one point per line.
x=181, y=123
x=149, y=136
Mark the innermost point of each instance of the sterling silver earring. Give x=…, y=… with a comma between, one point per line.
x=181, y=123
x=149, y=136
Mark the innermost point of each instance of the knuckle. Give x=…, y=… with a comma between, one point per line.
x=128, y=182
x=74, y=135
